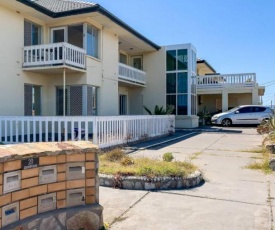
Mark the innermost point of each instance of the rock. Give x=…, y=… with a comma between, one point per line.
x=127, y=185
x=138, y=186
x=49, y=223
x=33, y=224
x=272, y=164
x=84, y=220
x=62, y=218
x=149, y=186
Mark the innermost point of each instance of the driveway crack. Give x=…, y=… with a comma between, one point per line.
x=121, y=218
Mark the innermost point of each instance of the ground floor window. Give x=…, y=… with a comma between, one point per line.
x=32, y=100
x=80, y=100
x=122, y=104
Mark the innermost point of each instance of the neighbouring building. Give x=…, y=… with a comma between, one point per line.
x=75, y=58
x=221, y=92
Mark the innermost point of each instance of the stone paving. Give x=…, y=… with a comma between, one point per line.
x=232, y=196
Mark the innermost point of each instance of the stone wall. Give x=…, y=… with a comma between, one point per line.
x=44, y=182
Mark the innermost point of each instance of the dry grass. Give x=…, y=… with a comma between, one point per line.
x=143, y=167
x=263, y=164
x=195, y=155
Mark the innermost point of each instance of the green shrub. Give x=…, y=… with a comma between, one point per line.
x=168, y=157
x=114, y=155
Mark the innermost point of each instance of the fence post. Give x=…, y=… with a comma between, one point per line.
x=95, y=131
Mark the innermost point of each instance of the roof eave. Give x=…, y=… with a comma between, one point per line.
x=95, y=8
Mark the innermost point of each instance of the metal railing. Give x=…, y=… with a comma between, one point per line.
x=54, y=54
x=102, y=131
x=131, y=74
x=226, y=80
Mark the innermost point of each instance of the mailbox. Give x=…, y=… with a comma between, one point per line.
x=12, y=181
x=75, y=171
x=76, y=197
x=47, y=174
x=47, y=202
x=10, y=213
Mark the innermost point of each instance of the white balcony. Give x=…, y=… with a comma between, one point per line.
x=53, y=56
x=131, y=75
x=211, y=82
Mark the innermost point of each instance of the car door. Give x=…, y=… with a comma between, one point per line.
x=259, y=114
x=243, y=115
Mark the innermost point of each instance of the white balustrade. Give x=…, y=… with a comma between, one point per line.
x=54, y=54
x=103, y=131
x=131, y=74
x=226, y=80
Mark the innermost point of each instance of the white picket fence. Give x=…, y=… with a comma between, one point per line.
x=102, y=131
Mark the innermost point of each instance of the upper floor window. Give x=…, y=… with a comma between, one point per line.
x=92, y=41
x=32, y=33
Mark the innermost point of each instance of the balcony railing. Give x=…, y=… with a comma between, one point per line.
x=226, y=81
x=131, y=74
x=54, y=54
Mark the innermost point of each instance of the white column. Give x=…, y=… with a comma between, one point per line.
x=224, y=100
x=64, y=92
x=255, y=97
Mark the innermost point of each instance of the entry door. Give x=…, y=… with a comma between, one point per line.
x=137, y=62
x=122, y=104
x=58, y=34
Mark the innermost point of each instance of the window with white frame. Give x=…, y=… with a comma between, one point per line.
x=92, y=41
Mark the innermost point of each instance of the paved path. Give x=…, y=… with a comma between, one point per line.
x=231, y=198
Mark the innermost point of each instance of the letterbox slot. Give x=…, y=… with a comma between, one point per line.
x=75, y=169
x=12, y=178
x=10, y=211
x=47, y=200
x=76, y=195
x=47, y=172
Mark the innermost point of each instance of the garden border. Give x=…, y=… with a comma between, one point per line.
x=155, y=183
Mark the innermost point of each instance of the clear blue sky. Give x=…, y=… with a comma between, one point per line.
x=234, y=36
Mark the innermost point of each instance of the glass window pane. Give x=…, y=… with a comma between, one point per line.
x=123, y=58
x=171, y=60
x=182, y=59
x=171, y=83
x=75, y=35
x=171, y=100
x=182, y=104
x=36, y=34
x=182, y=83
x=92, y=41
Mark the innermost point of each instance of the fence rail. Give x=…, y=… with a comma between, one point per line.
x=102, y=131
x=54, y=54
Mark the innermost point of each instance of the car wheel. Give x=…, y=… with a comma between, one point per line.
x=226, y=122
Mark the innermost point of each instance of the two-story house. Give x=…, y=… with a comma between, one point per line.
x=220, y=92
x=75, y=58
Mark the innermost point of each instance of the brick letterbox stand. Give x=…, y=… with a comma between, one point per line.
x=49, y=186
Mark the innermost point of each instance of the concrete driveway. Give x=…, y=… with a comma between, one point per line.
x=231, y=198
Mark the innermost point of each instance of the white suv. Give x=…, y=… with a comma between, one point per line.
x=244, y=114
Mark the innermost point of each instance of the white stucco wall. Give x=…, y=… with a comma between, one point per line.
x=155, y=92
x=102, y=74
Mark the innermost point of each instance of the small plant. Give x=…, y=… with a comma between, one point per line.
x=115, y=155
x=127, y=161
x=168, y=157
x=204, y=115
x=160, y=110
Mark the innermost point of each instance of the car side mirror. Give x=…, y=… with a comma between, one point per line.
x=237, y=112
